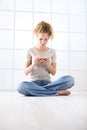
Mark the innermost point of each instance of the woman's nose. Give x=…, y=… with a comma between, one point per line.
x=43, y=41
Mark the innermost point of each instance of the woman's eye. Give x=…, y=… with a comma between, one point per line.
x=45, y=39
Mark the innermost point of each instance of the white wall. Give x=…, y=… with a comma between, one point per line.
x=17, y=19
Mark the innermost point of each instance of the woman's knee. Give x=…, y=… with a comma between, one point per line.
x=70, y=81
x=21, y=87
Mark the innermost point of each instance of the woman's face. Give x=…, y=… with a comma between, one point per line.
x=42, y=39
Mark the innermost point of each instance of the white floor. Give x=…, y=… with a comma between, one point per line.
x=18, y=112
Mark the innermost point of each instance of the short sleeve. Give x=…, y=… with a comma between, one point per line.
x=54, y=57
x=28, y=56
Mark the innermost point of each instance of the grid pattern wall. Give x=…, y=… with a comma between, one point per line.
x=68, y=18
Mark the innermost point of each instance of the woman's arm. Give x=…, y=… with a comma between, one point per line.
x=52, y=68
x=29, y=66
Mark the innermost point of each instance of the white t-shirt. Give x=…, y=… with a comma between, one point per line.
x=39, y=71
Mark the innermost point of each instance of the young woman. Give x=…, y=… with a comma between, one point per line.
x=40, y=64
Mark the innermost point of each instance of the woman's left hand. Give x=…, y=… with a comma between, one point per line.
x=50, y=67
x=45, y=61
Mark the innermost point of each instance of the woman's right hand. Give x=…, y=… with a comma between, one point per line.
x=29, y=66
x=37, y=60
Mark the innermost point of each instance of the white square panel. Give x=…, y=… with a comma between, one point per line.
x=6, y=39
x=6, y=79
x=6, y=20
x=38, y=17
x=23, y=39
x=19, y=76
x=77, y=41
x=61, y=41
x=6, y=4
x=60, y=6
x=24, y=5
x=60, y=22
x=6, y=59
x=80, y=80
x=20, y=58
x=77, y=6
x=78, y=60
x=62, y=60
x=23, y=21
x=77, y=24
x=42, y=6
x=86, y=4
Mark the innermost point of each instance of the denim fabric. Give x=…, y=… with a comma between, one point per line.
x=45, y=88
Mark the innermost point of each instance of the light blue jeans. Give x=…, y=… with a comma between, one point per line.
x=45, y=88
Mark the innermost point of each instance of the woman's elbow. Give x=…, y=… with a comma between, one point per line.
x=54, y=73
x=25, y=72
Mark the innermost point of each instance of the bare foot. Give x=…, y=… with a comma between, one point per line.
x=63, y=93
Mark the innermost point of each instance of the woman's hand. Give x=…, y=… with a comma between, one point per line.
x=36, y=60
x=45, y=61
x=50, y=67
x=29, y=66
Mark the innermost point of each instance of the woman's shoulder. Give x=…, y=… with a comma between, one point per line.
x=31, y=49
x=51, y=50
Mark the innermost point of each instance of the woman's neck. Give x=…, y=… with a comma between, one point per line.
x=41, y=48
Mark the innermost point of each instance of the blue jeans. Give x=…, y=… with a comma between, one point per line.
x=45, y=88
